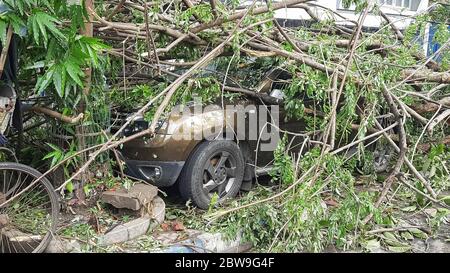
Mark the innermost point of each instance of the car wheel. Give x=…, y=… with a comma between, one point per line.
x=214, y=167
x=381, y=158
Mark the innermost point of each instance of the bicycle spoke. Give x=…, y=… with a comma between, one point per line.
x=24, y=196
x=31, y=210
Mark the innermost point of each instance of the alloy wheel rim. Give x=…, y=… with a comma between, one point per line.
x=219, y=174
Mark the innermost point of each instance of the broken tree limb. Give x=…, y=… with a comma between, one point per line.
x=441, y=117
x=402, y=151
x=167, y=93
x=139, y=28
x=411, y=167
x=116, y=9
x=421, y=135
x=375, y=134
x=303, y=59
x=88, y=31
x=425, y=147
x=338, y=91
x=150, y=40
x=431, y=106
x=397, y=32
x=5, y=50
x=201, y=63
x=436, y=89
x=213, y=7
x=410, y=111
x=238, y=15
x=429, y=76
x=402, y=179
x=417, y=55
x=334, y=61
x=264, y=97
x=56, y=115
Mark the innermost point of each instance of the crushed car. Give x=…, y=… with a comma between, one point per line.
x=218, y=148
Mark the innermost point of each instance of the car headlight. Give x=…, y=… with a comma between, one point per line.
x=135, y=118
x=160, y=124
x=139, y=124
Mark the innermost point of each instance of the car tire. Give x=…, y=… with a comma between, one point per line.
x=381, y=158
x=203, y=171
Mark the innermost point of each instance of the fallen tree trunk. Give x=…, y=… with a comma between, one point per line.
x=431, y=107
x=428, y=76
x=240, y=14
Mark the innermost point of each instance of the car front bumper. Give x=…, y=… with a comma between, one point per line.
x=158, y=173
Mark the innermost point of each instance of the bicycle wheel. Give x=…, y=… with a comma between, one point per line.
x=28, y=209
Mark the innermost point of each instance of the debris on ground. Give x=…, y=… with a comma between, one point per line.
x=137, y=197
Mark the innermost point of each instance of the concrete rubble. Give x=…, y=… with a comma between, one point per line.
x=59, y=245
x=140, y=196
x=126, y=232
x=134, y=199
x=141, y=199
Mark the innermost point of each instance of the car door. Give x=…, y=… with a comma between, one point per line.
x=293, y=127
x=272, y=121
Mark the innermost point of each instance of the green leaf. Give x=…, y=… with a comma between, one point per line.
x=409, y=209
x=446, y=199
x=372, y=245
x=40, y=64
x=3, y=31
x=43, y=24
x=390, y=236
x=213, y=202
x=58, y=80
x=55, y=159
x=74, y=72
x=87, y=189
x=391, y=239
x=418, y=233
x=52, y=27
x=49, y=155
x=45, y=81
x=399, y=249
x=35, y=28
x=70, y=187
x=94, y=57
x=53, y=146
x=47, y=4
x=407, y=236
x=17, y=23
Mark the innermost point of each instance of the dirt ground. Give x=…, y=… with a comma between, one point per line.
x=87, y=223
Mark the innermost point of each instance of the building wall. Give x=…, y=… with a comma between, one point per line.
x=398, y=15
x=431, y=46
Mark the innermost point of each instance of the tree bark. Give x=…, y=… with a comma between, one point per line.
x=429, y=76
